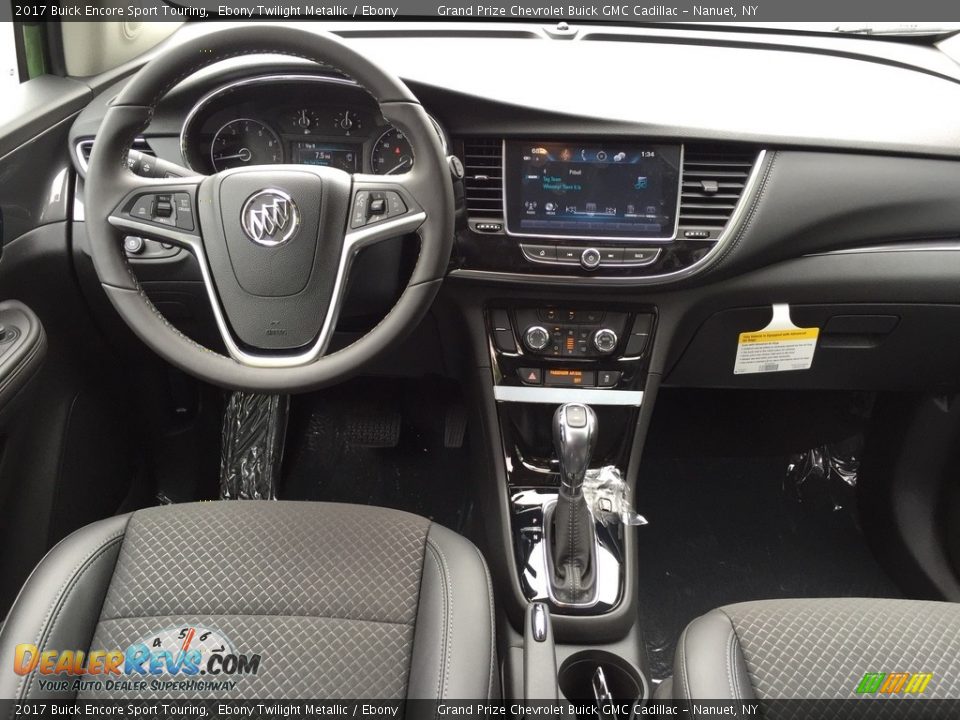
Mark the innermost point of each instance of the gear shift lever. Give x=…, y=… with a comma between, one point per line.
x=574, y=437
x=573, y=535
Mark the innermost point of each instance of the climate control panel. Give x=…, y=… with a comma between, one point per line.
x=553, y=332
x=578, y=348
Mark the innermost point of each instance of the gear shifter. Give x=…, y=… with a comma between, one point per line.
x=573, y=535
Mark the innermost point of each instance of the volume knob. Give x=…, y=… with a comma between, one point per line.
x=605, y=340
x=536, y=338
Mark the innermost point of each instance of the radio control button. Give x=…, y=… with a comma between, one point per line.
x=569, y=254
x=640, y=256
x=541, y=253
x=611, y=256
x=590, y=259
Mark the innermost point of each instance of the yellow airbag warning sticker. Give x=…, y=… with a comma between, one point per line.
x=779, y=347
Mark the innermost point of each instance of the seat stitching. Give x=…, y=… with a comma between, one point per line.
x=493, y=626
x=63, y=593
x=448, y=619
x=443, y=638
x=683, y=664
x=729, y=662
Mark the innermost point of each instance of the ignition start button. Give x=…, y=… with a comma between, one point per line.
x=590, y=258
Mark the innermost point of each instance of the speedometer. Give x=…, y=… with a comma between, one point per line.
x=392, y=153
x=243, y=142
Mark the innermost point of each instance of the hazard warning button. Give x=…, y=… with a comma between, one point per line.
x=531, y=376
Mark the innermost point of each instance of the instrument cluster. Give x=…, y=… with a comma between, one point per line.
x=305, y=120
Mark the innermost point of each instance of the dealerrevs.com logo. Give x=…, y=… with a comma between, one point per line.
x=170, y=660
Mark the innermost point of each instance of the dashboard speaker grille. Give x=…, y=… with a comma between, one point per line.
x=714, y=177
x=483, y=177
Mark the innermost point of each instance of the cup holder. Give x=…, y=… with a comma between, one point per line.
x=626, y=683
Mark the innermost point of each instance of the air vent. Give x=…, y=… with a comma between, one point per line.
x=84, y=147
x=483, y=177
x=714, y=177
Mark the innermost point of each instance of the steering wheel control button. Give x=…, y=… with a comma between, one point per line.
x=133, y=245
x=378, y=206
x=605, y=340
x=184, y=211
x=536, y=338
x=639, y=257
x=360, y=204
x=170, y=209
x=142, y=208
x=539, y=253
x=608, y=378
x=163, y=206
x=395, y=204
x=590, y=259
x=530, y=376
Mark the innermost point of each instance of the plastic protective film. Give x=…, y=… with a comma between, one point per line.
x=608, y=497
x=254, y=428
x=827, y=471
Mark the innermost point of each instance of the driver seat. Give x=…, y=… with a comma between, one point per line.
x=338, y=601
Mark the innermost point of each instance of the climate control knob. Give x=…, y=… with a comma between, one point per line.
x=536, y=338
x=605, y=340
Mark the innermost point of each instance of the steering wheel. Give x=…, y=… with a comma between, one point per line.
x=275, y=243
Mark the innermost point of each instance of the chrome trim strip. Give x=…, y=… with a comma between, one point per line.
x=732, y=227
x=560, y=395
x=620, y=238
x=353, y=242
x=893, y=248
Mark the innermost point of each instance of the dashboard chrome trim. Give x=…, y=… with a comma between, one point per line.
x=559, y=395
x=619, y=238
x=730, y=231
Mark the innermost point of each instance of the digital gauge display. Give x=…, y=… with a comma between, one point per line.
x=339, y=155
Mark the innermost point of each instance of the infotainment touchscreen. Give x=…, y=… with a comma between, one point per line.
x=596, y=191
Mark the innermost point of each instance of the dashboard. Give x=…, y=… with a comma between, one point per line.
x=294, y=119
x=723, y=201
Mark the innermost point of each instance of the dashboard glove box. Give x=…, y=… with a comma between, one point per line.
x=860, y=347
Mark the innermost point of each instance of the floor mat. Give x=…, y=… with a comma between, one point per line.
x=379, y=442
x=725, y=530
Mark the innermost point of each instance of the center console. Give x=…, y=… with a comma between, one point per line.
x=546, y=359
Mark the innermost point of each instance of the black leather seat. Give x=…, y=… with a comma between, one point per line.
x=819, y=649
x=338, y=601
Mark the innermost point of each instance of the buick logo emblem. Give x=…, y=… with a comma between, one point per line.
x=270, y=217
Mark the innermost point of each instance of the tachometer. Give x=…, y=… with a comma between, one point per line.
x=392, y=153
x=244, y=142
